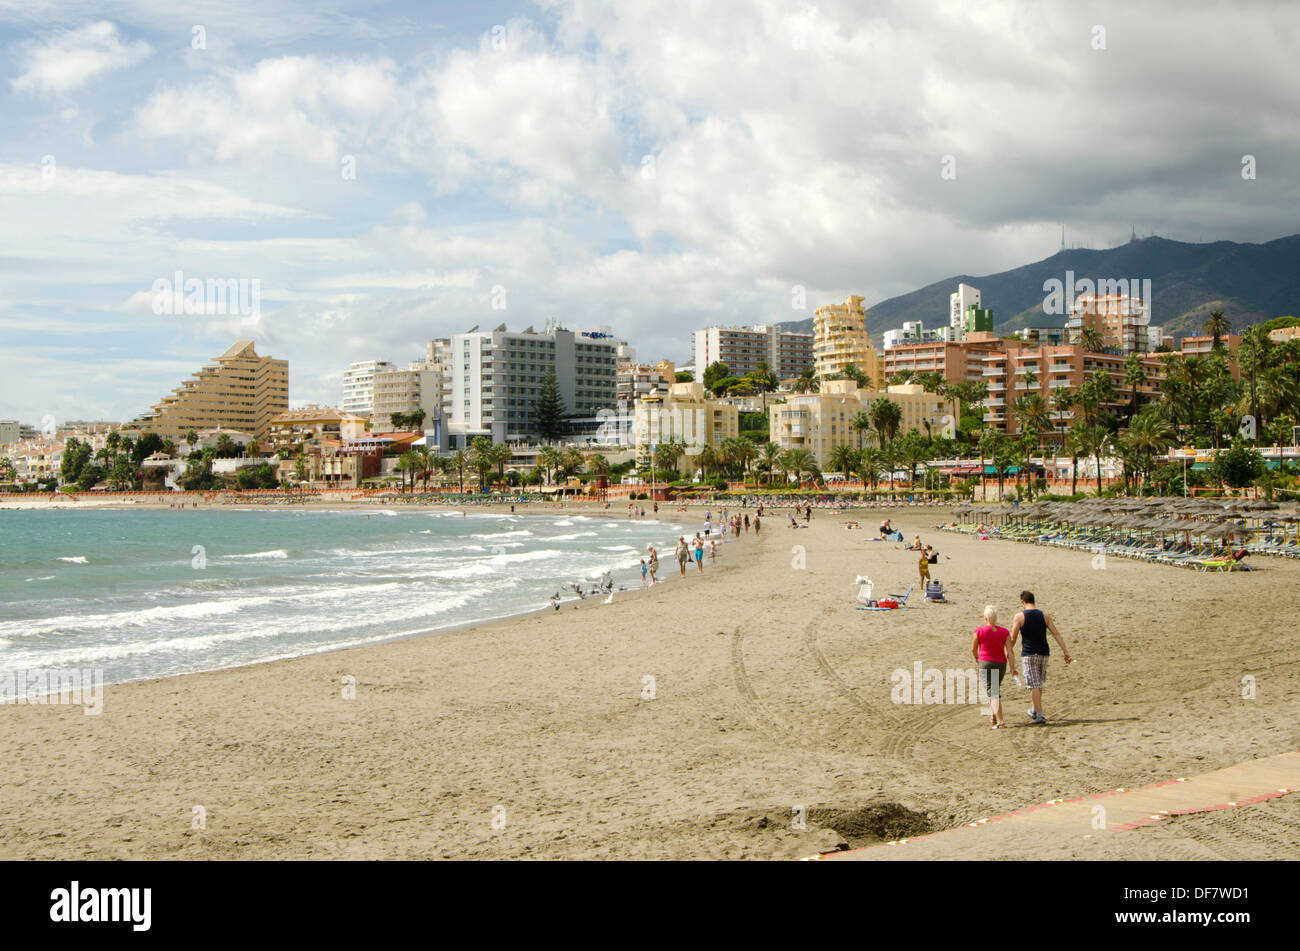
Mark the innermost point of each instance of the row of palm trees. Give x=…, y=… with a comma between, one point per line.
x=419, y=464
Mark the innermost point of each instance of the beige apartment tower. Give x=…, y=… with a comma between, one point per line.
x=840, y=338
x=239, y=390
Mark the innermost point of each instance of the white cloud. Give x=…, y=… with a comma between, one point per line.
x=69, y=60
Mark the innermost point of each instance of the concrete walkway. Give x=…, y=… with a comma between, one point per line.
x=1092, y=817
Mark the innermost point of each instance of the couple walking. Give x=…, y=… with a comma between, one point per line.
x=994, y=647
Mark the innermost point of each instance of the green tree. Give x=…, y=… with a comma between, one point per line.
x=480, y=456
x=548, y=411
x=1093, y=440
x=807, y=381
x=1091, y=340
x=1254, y=356
x=1135, y=374
x=886, y=418
x=1217, y=326
x=843, y=459
x=802, y=463
x=913, y=449
x=550, y=460
x=460, y=461
x=1149, y=435
x=684, y=376
x=714, y=372
x=1238, y=466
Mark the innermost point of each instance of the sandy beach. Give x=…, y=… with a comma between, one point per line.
x=688, y=721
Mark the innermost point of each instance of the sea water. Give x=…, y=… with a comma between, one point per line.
x=150, y=593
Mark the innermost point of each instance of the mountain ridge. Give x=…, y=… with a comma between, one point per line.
x=1250, y=283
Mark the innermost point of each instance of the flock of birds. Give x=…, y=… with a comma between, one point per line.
x=604, y=586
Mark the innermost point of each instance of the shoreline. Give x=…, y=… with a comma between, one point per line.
x=570, y=602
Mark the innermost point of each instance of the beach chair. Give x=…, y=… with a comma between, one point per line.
x=892, y=602
x=934, y=592
x=863, y=587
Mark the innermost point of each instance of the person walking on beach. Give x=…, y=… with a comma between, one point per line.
x=645, y=570
x=989, y=648
x=683, y=553
x=708, y=526
x=1034, y=625
x=654, y=564
x=699, y=553
x=746, y=523
x=925, y=570
x=757, y=524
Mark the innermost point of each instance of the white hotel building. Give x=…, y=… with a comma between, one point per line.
x=359, y=386
x=492, y=379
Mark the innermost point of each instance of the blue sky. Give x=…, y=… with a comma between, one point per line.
x=512, y=145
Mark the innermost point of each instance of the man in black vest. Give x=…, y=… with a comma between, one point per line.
x=1034, y=625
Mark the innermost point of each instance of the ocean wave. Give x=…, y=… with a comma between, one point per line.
x=571, y=537
x=494, y=535
x=563, y=523
x=75, y=560
x=277, y=553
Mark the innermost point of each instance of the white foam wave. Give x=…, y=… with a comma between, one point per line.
x=75, y=560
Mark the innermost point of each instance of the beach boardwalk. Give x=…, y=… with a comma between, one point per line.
x=1073, y=820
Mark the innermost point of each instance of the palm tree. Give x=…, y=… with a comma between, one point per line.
x=844, y=459
x=769, y=459
x=548, y=457
x=1091, y=340
x=460, y=461
x=1074, y=446
x=807, y=382
x=801, y=462
x=860, y=424
x=991, y=446
x=480, y=459
x=1217, y=326
x=1135, y=374
x=422, y=456
x=501, y=454
x=764, y=381
x=571, y=460
x=1062, y=403
x=1254, y=356
x=1093, y=441
x=913, y=451
x=886, y=417
x=668, y=454
x=1148, y=435
x=869, y=465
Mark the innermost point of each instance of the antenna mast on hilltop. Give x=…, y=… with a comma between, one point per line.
x=1062, y=236
x=1134, y=236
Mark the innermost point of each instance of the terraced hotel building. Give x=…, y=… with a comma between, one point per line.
x=239, y=390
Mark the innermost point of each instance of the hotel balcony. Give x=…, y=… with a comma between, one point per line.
x=997, y=385
x=995, y=402
x=1057, y=384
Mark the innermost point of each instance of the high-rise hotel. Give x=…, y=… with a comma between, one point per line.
x=840, y=338
x=492, y=379
x=742, y=349
x=239, y=390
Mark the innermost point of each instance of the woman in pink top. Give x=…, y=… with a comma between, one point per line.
x=989, y=650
